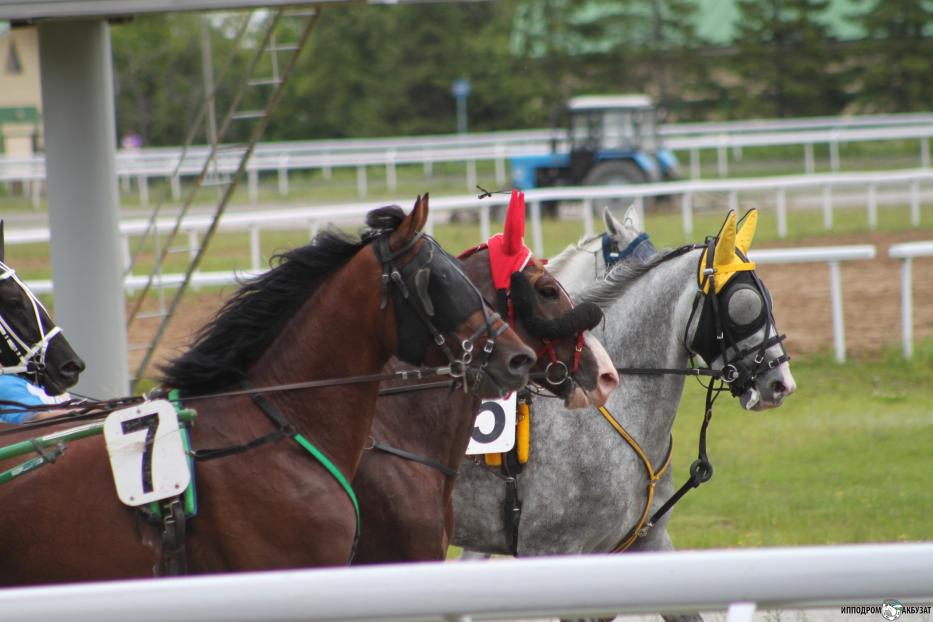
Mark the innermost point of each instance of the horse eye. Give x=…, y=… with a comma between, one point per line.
x=550, y=293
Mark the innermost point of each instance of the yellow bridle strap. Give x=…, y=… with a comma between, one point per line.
x=738, y=266
x=653, y=476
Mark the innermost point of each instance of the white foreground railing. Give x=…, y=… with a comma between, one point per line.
x=737, y=580
x=906, y=252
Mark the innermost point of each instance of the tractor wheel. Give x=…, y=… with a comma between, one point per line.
x=615, y=173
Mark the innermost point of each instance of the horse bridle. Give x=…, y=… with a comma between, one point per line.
x=30, y=357
x=517, y=303
x=736, y=373
x=409, y=286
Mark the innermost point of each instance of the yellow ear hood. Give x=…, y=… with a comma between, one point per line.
x=746, y=232
x=725, y=260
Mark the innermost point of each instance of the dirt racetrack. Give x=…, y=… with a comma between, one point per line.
x=800, y=291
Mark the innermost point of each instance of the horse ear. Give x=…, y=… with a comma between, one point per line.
x=421, y=212
x=632, y=220
x=514, y=231
x=725, y=243
x=2, y=243
x=613, y=226
x=746, y=230
x=412, y=223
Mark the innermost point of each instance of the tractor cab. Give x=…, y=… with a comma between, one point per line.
x=611, y=139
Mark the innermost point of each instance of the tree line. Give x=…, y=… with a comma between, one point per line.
x=378, y=70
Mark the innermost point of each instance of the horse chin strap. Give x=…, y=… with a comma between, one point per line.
x=31, y=357
x=405, y=282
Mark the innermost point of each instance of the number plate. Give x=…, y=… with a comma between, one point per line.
x=146, y=453
x=494, y=431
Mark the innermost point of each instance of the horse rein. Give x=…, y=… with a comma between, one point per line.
x=31, y=357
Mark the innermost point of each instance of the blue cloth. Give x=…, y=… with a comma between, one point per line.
x=16, y=389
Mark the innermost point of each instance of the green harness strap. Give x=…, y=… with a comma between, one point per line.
x=337, y=475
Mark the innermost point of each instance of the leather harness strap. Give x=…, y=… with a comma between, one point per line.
x=653, y=477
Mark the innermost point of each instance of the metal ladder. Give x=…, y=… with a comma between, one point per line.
x=280, y=60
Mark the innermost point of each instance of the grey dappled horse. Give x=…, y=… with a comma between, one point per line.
x=584, y=489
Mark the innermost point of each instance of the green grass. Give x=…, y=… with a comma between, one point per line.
x=846, y=459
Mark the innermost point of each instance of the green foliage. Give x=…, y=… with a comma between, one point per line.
x=388, y=70
x=897, y=49
x=786, y=62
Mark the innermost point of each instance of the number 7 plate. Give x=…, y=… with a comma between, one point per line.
x=146, y=453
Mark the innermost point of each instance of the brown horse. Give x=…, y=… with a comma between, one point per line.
x=336, y=308
x=406, y=503
x=30, y=343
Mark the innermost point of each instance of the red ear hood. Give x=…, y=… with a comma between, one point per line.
x=507, y=250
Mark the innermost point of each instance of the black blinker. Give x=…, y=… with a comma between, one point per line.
x=422, y=280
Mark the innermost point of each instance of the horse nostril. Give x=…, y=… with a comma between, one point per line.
x=520, y=363
x=778, y=388
x=608, y=381
x=73, y=368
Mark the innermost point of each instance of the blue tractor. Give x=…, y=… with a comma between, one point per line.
x=611, y=139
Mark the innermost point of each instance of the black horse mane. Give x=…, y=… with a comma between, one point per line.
x=248, y=322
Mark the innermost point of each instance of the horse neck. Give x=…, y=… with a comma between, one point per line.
x=335, y=334
x=644, y=328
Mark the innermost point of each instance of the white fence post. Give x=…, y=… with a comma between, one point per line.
x=283, y=176
x=695, y=171
x=471, y=175
x=872, y=204
x=835, y=292
x=722, y=158
x=35, y=190
x=174, y=183
x=253, y=185
x=361, y=180
x=536, y=234
x=781, y=201
x=686, y=209
x=143, y=182
x=915, y=203
x=500, y=164
x=809, y=164
x=391, y=177
x=907, y=308
x=827, y=207
x=587, y=217
x=484, y=222
x=255, y=252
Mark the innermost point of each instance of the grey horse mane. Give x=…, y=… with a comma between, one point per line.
x=622, y=276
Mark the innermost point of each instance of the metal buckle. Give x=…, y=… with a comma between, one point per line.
x=730, y=374
x=558, y=380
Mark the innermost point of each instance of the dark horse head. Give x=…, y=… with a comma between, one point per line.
x=30, y=343
x=427, y=311
x=572, y=364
